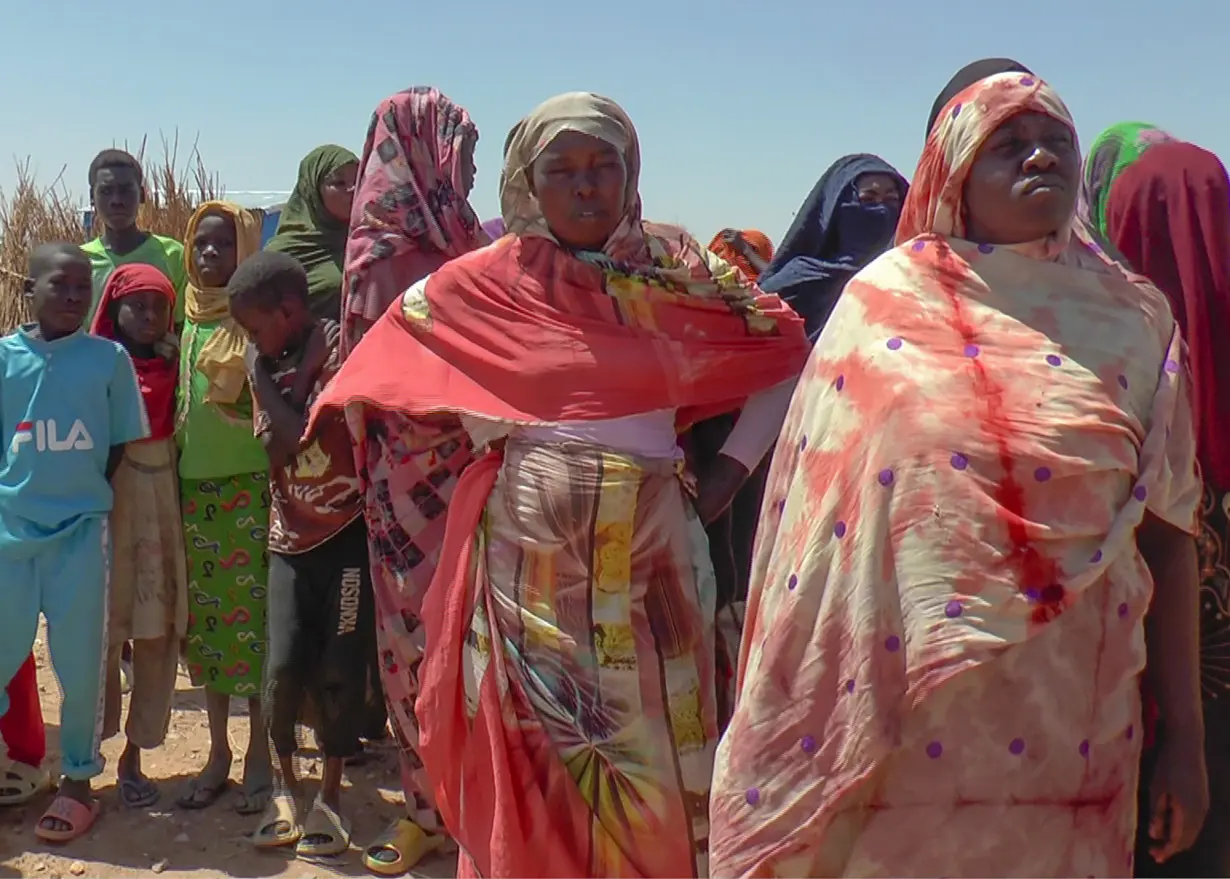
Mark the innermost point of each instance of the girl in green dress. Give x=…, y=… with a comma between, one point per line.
x=225, y=488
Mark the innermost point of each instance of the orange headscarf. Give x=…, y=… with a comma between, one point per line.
x=757, y=239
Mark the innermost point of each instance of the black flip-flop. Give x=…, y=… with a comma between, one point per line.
x=199, y=795
x=138, y=793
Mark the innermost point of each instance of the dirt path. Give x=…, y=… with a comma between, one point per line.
x=171, y=841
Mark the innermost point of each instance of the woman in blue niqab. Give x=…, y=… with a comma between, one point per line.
x=847, y=221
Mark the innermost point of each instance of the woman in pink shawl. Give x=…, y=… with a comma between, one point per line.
x=410, y=213
x=410, y=217
x=986, y=467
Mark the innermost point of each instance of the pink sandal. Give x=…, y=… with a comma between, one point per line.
x=78, y=816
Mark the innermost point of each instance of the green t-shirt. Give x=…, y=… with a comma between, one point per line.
x=214, y=442
x=164, y=254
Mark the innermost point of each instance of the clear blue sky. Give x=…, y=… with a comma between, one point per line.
x=739, y=106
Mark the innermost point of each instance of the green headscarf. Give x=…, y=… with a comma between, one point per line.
x=309, y=233
x=1112, y=152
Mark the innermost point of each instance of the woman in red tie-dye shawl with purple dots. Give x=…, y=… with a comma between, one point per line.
x=988, y=464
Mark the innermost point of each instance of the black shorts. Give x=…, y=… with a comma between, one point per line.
x=322, y=632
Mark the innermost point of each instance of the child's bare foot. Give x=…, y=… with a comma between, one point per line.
x=204, y=790
x=136, y=790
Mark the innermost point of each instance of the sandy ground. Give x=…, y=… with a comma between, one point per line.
x=173, y=842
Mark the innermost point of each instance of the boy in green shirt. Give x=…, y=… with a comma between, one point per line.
x=117, y=191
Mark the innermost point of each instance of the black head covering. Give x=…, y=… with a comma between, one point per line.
x=967, y=76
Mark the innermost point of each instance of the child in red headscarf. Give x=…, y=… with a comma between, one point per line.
x=148, y=592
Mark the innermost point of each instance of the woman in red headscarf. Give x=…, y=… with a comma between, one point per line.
x=149, y=579
x=1168, y=214
x=986, y=467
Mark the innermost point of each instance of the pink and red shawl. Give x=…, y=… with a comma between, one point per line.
x=944, y=632
x=410, y=213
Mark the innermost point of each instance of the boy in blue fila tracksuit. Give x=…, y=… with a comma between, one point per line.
x=68, y=404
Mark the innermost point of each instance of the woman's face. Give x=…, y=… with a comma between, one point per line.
x=214, y=250
x=579, y=183
x=337, y=191
x=1024, y=180
x=875, y=188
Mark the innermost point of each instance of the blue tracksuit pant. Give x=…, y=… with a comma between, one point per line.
x=66, y=579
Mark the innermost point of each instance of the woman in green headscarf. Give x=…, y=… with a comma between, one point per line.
x=1114, y=150
x=315, y=222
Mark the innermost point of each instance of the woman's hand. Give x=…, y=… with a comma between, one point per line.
x=1178, y=794
x=718, y=487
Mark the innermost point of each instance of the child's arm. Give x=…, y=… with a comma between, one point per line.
x=278, y=424
x=129, y=421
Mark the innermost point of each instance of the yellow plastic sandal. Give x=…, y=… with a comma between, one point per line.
x=408, y=842
x=279, y=825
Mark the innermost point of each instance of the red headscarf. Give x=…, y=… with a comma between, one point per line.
x=1169, y=215
x=759, y=243
x=157, y=376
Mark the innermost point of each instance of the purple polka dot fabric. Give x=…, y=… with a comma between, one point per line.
x=961, y=536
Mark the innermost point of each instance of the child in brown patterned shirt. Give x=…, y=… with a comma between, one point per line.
x=321, y=623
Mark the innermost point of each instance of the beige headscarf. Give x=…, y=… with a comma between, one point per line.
x=589, y=114
x=221, y=358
